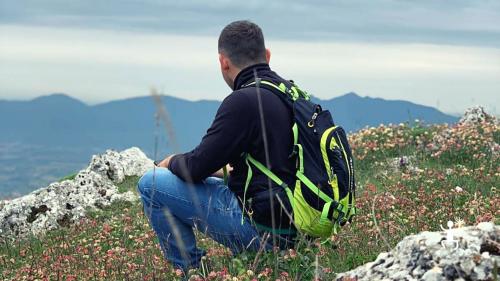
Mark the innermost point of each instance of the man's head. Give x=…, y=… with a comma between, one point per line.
x=241, y=44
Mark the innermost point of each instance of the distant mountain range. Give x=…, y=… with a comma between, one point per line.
x=51, y=136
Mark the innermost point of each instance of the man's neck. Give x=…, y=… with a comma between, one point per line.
x=246, y=74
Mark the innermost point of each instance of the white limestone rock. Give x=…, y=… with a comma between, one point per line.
x=117, y=165
x=430, y=256
x=64, y=203
x=475, y=115
x=404, y=164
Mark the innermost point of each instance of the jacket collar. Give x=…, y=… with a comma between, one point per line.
x=246, y=75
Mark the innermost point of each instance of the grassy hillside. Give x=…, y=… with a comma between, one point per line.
x=410, y=179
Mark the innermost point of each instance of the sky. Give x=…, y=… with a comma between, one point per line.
x=443, y=53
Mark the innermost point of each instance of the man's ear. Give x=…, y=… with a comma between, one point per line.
x=268, y=55
x=224, y=62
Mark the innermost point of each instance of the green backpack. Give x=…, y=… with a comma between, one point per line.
x=323, y=198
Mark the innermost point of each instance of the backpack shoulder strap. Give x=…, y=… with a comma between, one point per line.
x=293, y=92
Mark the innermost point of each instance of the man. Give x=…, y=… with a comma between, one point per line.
x=181, y=194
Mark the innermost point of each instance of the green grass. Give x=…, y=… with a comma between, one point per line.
x=68, y=177
x=128, y=184
x=117, y=243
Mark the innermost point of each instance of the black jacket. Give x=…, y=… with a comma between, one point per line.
x=237, y=130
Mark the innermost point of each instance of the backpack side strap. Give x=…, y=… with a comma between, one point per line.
x=269, y=174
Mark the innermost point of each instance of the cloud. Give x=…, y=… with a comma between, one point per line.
x=100, y=65
x=438, y=53
x=458, y=22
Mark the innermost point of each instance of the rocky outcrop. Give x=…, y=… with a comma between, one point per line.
x=475, y=115
x=467, y=253
x=64, y=203
x=479, y=125
x=117, y=165
x=403, y=163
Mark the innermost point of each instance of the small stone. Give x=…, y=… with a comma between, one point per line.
x=485, y=255
x=482, y=271
x=467, y=266
x=486, y=226
x=400, y=275
x=451, y=272
x=434, y=274
x=432, y=238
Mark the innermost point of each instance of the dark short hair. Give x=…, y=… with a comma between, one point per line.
x=243, y=43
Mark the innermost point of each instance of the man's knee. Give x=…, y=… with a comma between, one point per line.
x=144, y=182
x=150, y=178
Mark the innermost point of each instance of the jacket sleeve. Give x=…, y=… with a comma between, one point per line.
x=226, y=139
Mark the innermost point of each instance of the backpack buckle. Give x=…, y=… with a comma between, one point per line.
x=293, y=153
x=341, y=214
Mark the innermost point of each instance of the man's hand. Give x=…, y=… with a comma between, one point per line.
x=220, y=173
x=165, y=161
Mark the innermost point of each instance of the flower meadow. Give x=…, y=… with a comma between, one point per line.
x=410, y=178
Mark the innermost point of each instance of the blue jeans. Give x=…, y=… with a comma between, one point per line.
x=175, y=207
